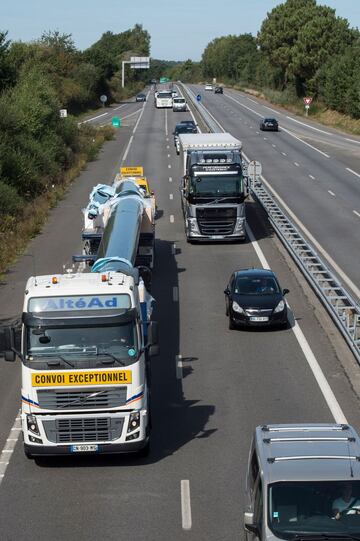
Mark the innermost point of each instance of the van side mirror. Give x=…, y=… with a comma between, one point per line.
x=249, y=524
x=286, y=291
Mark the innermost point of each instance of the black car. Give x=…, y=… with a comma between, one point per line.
x=182, y=128
x=269, y=124
x=189, y=123
x=140, y=97
x=253, y=297
x=219, y=90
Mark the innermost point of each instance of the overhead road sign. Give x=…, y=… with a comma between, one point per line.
x=140, y=62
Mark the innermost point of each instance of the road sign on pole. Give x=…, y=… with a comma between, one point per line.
x=307, y=102
x=254, y=171
x=115, y=122
x=140, y=62
x=103, y=99
x=198, y=97
x=63, y=113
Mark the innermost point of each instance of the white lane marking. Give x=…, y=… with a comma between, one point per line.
x=256, y=103
x=127, y=148
x=305, y=143
x=175, y=293
x=242, y=105
x=141, y=114
x=308, y=126
x=312, y=239
x=258, y=133
x=353, y=172
x=274, y=146
x=352, y=141
x=273, y=110
x=171, y=196
x=324, y=386
x=9, y=447
x=170, y=179
x=172, y=218
x=94, y=118
x=167, y=138
x=284, y=153
x=331, y=193
x=120, y=106
x=173, y=249
x=185, y=505
x=168, y=146
x=131, y=114
x=357, y=213
x=179, y=367
x=297, y=164
x=312, y=178
x=169, y=166
x=265, y=138
x=169, y=155
x=166, y=123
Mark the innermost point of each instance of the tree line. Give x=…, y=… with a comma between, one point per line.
x=302, y=48
x=38, y=79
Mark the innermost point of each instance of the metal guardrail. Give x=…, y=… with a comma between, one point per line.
x=343, y=309
x=209, y=121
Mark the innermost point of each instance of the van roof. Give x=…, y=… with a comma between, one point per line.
x=308, y=452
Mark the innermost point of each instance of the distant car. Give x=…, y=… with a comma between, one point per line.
x=208, y=86
x=183, y=127
x=174, y=93
x=140, y=97
x=189, y=122
x=218, y=90
x=269, y=124
x=253, y=297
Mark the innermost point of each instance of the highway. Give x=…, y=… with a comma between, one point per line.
x=314, y=169
x=210, y=386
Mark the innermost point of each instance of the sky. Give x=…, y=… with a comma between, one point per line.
x=179, y=29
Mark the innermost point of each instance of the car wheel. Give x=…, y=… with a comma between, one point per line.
x=232, y=325
x=226, y=309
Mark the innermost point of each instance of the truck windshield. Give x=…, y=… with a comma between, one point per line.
x=74, y=343
x=317, y=509
x=216, y=185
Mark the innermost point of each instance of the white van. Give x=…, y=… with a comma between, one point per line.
x=179, y=104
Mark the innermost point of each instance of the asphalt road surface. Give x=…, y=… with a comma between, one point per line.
x=314, y=169
x=210, y=386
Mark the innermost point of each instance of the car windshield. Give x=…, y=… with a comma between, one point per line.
x=256, y=285
x=320, y=508
x=73, y=343
x=179, y=100
x=270, y=120
x=217, y=185
x=164, y=95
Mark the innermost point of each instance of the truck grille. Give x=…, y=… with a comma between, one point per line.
x=87, y=429
x=111, y=397
x=216, y=221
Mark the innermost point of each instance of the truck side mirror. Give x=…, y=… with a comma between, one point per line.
x=10, y=356
x=153, y=333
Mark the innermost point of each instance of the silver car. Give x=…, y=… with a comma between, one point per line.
x=303, y=482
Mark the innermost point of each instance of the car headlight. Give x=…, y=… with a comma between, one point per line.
x=134, y=421
x=237, y=308
x=239, y=226
x=280, y=307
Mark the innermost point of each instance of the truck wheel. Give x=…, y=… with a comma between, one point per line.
x=28, y=454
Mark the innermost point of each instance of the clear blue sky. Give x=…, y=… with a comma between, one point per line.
x=179, y=29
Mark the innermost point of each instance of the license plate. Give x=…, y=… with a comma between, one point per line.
x=84, y=448
x=216, y=237
x=259, y=318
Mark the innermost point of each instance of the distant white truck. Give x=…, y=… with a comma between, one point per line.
x=213, y=190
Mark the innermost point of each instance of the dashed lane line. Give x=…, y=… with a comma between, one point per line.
x=171, y=196
x=186, y=520
x=312, y=177
x=172, y=218
x=353, y=172
x=331, y=193
x=297, y=164
x=356, y=213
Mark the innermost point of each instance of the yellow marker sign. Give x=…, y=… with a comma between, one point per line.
x=57, y=379
x=132, y=171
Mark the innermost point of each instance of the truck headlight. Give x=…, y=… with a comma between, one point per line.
x=134, y=421
x=239, y=226
x=237, y=308
x=192, y=225
x=280, y=307
x=32, y=425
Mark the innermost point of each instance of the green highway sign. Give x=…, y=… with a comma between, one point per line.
x=164, y=79
x=115, y=122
